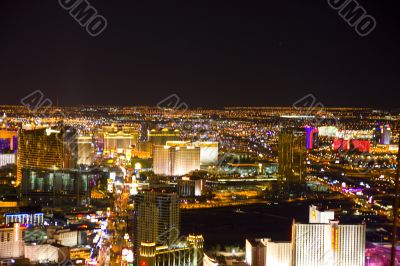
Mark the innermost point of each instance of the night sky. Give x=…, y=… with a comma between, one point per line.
x=211, y=53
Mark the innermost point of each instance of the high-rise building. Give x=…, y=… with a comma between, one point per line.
x=85, y=150
x=382, y=134
x=326, y=242
x=208, y=150
x=311, y=137
x=175, y=161
x=322, y=242
x=7, y=158
x=156, y=219
x=11, y=241
x=188, y=251
x=264, y=252
x=46, y=148
x=386, y=135
x=190, y=187
x=160, y=137
x=119, y=139
x=316, y=216
x=292, y=155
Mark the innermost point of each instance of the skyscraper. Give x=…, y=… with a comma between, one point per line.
x=177, y=161
x=311, y=137
x=326, y=242
x=291, y=155
x=46, y=148
x=156, y=219
x=386, y=134
x=85, y=150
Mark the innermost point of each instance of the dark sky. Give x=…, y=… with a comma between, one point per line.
x=211, y=53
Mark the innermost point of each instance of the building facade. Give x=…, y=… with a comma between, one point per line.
x=330, y=244
x=11, y=242
x=86, y=150
x=35, y=219
x=55, y=187
x=156, y=219
x=264, y=252
x=7, y=158
x=46, y=148
x=292, y=155
x=175, y=161
x=187, y=253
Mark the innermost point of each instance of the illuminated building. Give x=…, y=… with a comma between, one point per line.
x=178, y=160
x=156, y=219
x=264, y=252
x=78, y=253
x=316, y=216
x=326, y=242
x=144, y=150
x=68, y=238
x=341, y=145
x=188, y=252
x=376, y=135
x=52, y=188
x=118, y=139
x=351, y=144
x=208, y=150
x=160, y=137
x=360, y=145
x=328, y=131
x=190, y=187
x=35, y=219
x=11, y=242
x=3, y=121
x=382, y=134
x=46, y=148
x=311, y=138
x=45, y=253
x=386, y=135
x=291, y=156
x=8, y=158
x=85, y=150
x=8, y=140
x=322, y=242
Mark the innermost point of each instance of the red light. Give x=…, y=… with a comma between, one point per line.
x=143, y=263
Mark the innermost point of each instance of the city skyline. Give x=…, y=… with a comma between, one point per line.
x=199, y=133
